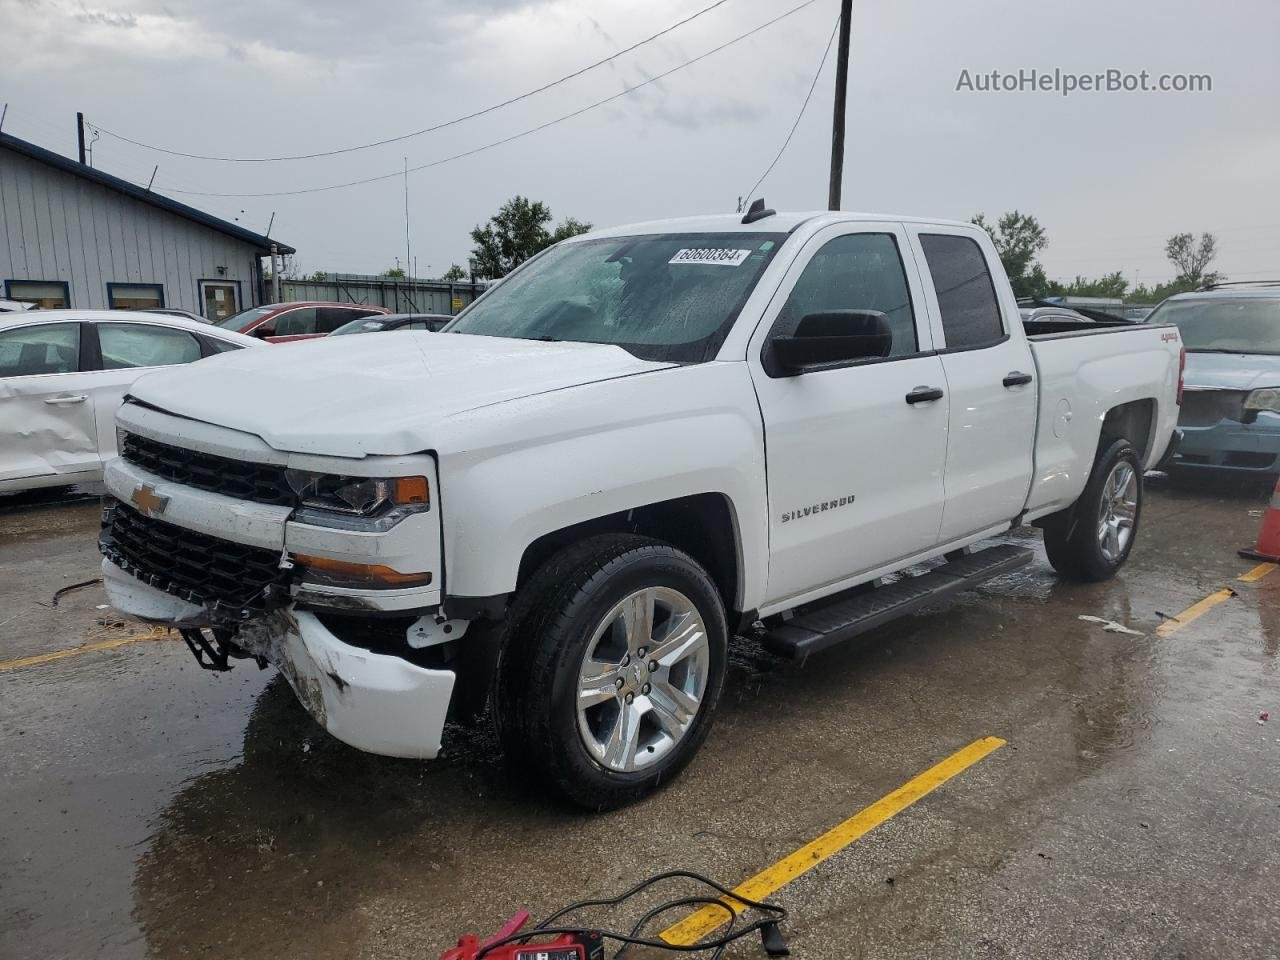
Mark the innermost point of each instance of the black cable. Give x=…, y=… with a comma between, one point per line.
x=431, y=129
x=504, y=140
x=804, y=106
x=777, y=915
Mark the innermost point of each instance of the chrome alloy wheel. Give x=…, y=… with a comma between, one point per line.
x=1118, y=511
x=642, y=679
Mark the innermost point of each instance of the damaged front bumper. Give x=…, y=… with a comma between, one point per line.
x=375, y=702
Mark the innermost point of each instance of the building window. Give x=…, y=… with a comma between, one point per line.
x=134, y=296
x=45, y=294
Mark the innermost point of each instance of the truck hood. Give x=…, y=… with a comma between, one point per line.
x=376, y=393
x=1231, y=371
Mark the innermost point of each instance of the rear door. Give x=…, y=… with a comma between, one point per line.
x=46, y=417
x=298, y=323
x=854, y=469
x=989, y=378
x=125, y=351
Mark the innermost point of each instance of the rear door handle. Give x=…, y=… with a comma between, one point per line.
x=1017, y=379
x=66, y=400
x=924, y=394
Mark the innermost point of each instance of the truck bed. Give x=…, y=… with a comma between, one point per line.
x=1084, y=374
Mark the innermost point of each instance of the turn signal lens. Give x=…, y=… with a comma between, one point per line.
x=406, y=490
x=341, y=573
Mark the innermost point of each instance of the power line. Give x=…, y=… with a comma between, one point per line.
x=515, y=136
x=807, y=97
x=425, y=130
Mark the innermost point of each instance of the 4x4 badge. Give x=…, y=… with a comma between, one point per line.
x=148, y=501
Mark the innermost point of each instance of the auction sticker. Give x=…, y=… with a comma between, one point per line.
x=711, y=255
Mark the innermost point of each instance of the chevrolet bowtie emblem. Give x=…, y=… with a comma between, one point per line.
x=148, y=501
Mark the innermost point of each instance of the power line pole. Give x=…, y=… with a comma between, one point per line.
x=407, y=262
x=837, y=121
x=80, y=133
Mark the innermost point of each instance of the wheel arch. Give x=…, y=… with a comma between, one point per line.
x=704, y=525
x=1134, y=421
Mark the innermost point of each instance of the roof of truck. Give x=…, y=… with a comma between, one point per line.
x=775, y=223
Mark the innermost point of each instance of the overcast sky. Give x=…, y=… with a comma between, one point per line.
x=1110, y=175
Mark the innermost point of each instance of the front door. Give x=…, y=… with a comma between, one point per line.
x=854, y=467
x=219, y=300
x=990, y=380
x=46, y=410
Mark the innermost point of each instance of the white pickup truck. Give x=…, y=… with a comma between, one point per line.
x=642, y=441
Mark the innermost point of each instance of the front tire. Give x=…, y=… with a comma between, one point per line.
x=614, y=663
x=1091, y=540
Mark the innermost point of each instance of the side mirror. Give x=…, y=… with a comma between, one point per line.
x=264, y=331
x=834, y=336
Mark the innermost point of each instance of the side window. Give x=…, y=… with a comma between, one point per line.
x=966, y=295
x=329, y=319
x=221, y=346
x=44, y=348
x=294, y=323
x=126, y=345
x=135, y=296
x=50, y=295
x=859, y=271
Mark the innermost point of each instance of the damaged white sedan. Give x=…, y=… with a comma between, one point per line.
x=63, y=373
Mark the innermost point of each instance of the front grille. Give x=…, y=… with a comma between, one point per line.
x=1204, y=408
x=201, y=569
x=240, y=479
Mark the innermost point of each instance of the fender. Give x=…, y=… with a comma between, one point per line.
x=570, y=456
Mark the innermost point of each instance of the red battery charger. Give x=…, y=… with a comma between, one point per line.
x=580, y=945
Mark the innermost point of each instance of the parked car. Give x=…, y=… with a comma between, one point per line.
x=280, y=322
x=15, y=306
x=1230, y=415
x=641, y=441
x=64, y=372
x=394, y=321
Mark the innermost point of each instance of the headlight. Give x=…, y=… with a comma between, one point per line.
x=357, y=503
x=1268, y=398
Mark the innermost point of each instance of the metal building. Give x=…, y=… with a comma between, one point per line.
x=78, y=237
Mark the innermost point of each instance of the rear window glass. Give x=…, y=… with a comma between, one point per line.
x=966, y=295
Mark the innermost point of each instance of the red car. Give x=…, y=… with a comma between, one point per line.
x=304, y=320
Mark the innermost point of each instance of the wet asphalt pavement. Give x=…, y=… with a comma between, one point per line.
x=148, y=808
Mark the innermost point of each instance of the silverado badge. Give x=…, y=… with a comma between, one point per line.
x=148, y=501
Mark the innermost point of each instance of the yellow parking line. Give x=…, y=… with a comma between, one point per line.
x=698, y=924
x=84, y=648
x=1257, y=573
x=1197, y=609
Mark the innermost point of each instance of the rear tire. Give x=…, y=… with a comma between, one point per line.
x=614, y=663
x=1091, y=540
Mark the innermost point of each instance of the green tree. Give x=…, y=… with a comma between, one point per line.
x=394, y=273
x=514, y=234
x=454, y=273
x=1018, y=237
x=569, y=228
x=1191, y=259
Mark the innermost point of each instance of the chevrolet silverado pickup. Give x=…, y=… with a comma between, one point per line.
x=561, y=508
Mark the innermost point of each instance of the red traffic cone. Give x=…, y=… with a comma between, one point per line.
x=1268, y=546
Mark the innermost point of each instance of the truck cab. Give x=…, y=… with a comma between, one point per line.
x=642, y=441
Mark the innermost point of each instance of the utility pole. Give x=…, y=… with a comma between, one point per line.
x=408, y=263
x=275, y=276
x=837, y=122
x=80, y=133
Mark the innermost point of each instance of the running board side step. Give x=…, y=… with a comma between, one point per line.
x=838, y=620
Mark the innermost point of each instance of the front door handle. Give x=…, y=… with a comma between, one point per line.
x=1017, y=379
x=924, y=394
x=66, y=400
